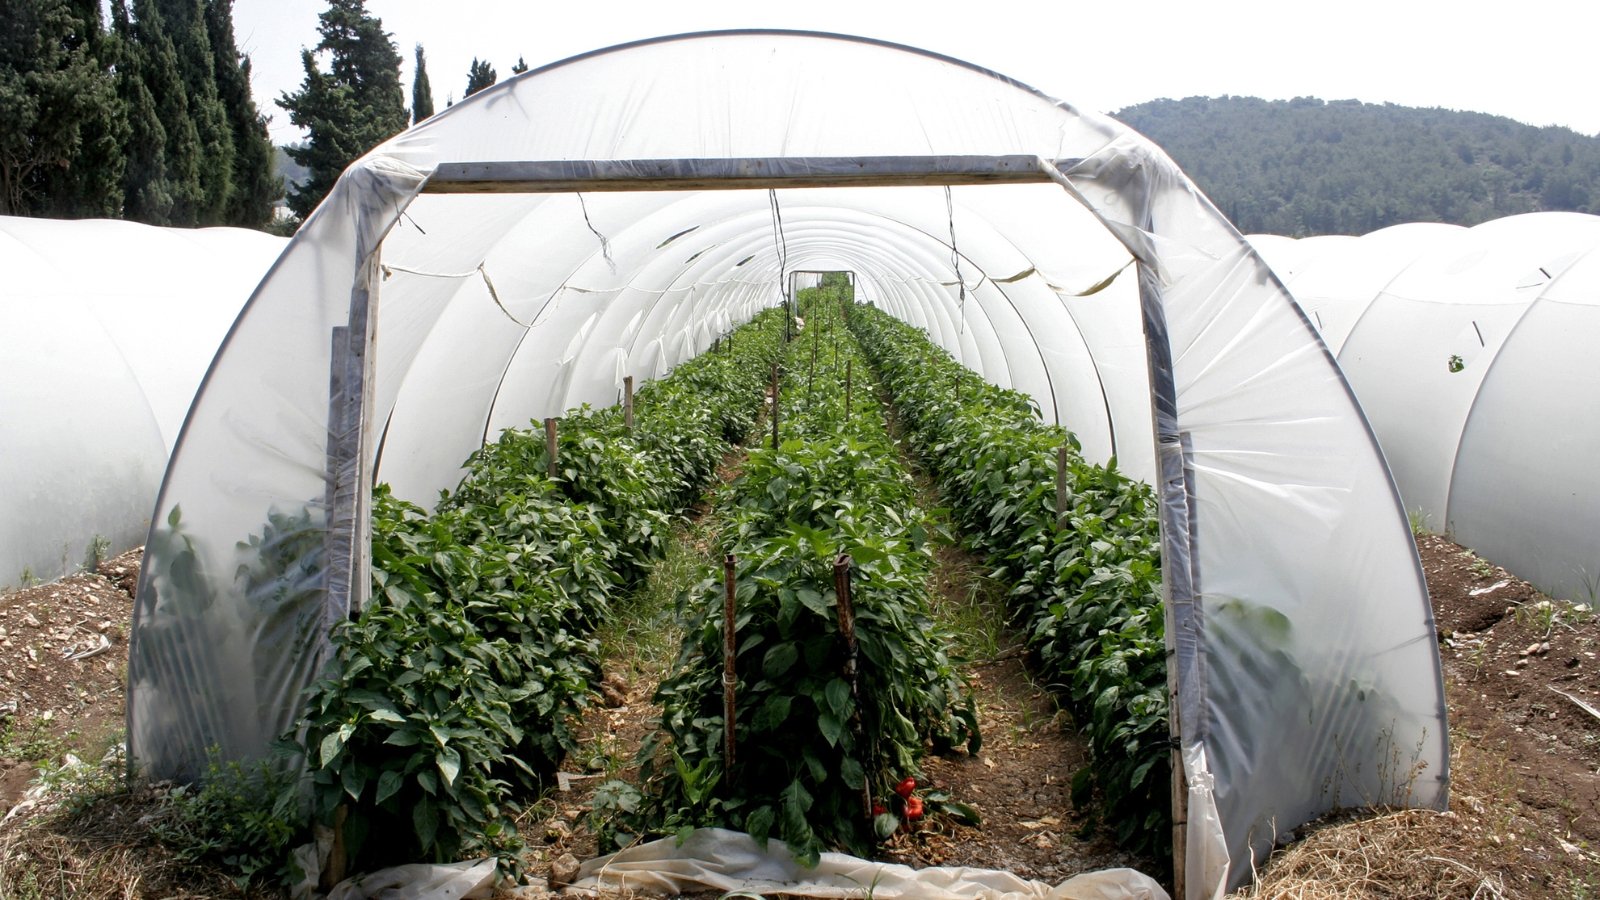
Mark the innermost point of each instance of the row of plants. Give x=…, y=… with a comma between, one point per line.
x=1086, y=587
x=452, y=692
x=826, y=750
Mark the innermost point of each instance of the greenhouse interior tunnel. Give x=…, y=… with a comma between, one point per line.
x=615, y=214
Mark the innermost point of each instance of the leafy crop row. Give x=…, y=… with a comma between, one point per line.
x=453, y=688
x=814, y=753
x=1088, y=593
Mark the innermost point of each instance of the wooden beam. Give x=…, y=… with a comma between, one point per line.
x=592, y=175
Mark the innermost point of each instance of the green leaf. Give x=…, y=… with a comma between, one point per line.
x=779, y=659
x=851, y=773
x=884, y=825
x=831, y=727
x=773, y=713
x=425, y=820
x=331, y=744
x=838, y=695
x=759, y=823
x=449, y=762
x=814, y=602
x=388, y=784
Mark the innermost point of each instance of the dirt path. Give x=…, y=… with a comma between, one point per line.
x=1525, y=818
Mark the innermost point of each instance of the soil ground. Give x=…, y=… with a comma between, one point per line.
x=1525, y=799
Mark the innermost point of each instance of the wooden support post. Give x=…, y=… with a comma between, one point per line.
x=847, y=635
x=811, y=380
x=550, y=447
x=775, y=406
x=627, y=401
x=1061, y=487
x=849, y=365
x=730, y=648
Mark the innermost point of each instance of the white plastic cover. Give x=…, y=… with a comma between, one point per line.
x=106, y=328
x=1470, y=351
x=1300, y=627
x=715, y=859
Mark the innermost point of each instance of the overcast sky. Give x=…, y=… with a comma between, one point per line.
x=1531, y=60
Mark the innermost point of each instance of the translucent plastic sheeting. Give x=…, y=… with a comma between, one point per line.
x=1420, y=354
x=1471, y=357
x=714, y=859
x=1525, y=486
x=1283, y=537
x=107, y=329
x=1338, y=279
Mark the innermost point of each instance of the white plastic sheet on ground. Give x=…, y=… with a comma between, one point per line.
x=1471, y=351
x=106, y=329
x=721, y=860
x=1298, y=619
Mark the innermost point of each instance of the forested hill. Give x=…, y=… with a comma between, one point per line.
x=1305, y=166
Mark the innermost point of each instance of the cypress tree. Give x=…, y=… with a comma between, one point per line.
x=255, y=186
x=350, y=109
x=60, y=139
x=147, y=191
x=185, y=27
x=182, y=151
x=421, y=90
x=480, y=76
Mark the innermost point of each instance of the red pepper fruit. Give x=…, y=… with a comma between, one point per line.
x=879, y=809
x=913, y=808
x=905, y=787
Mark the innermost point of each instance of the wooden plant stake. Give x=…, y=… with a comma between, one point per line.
x=811, y=379
x=847, y=633
x=1061, y=487
x=849, y=365
x=729, y=650
x=550, y=446
x=775, y=405
x=627, y=401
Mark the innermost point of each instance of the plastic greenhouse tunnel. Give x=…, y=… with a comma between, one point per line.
x=613, y=215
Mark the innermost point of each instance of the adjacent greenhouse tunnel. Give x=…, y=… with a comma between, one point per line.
x=109, y=327
x=616, y=213
x=1468, y=348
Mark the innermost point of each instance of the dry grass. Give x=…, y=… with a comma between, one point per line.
x=1396, y=854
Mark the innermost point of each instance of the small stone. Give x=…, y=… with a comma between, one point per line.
x=556, y=832
x=564, y=870
x=612, y=697
x=1532, y=648
x=1523, y=661
x=30, y=621
x=1544, y=647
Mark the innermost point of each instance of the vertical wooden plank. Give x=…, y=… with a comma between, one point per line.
x=845, y=606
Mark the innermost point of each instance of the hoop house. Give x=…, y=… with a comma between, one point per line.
x=613, y=214
x=1467, y=348
x=109, y=327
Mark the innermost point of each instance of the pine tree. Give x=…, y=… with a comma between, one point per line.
x=185, y=26
x=480, y=76
x=60, y=118
x=350, y=109
x=255, y=185
x=520, y=67
x=421, y=90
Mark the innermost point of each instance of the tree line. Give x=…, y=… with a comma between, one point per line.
x=150, y=117
x=1306, y=166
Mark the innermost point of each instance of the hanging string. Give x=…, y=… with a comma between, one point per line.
x=605, y=245
x=955, y=259
x=780, y=243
